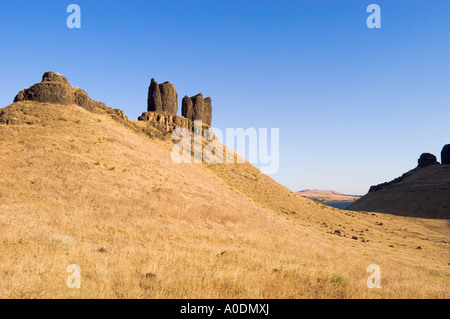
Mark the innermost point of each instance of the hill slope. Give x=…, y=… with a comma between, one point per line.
x=423, y=192
x=95, y=190
x=327, y=196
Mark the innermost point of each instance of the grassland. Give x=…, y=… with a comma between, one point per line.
x=81, y=188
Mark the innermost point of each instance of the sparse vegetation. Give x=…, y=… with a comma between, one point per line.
x=339, y=280
x=163, y=226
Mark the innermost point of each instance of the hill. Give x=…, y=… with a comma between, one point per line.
x=90, y=187
x=421, y=192
x=327, y=196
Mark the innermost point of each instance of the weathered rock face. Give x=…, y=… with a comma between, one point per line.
x=154, y=102
x=207, y=111
x=162, y=98
x=54, y=77
x=165, y=122
x=187, y=108
x=46, y=92
x=56, y=89
x=426, y=159
x=445, y=155
x=169, y=98
x=197, y=108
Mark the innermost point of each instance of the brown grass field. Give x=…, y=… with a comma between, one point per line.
x=82, y=188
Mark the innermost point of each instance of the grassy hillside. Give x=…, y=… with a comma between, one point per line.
x=423, y=192
x=89, y=189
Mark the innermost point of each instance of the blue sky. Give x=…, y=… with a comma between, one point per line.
x=355, y=106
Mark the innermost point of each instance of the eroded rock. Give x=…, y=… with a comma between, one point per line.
x=426, y=159
x=445, y=155
x=169, y=98
x=154, y=102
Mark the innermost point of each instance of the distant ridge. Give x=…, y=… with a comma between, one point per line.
x=421, y=192
x=327, y=196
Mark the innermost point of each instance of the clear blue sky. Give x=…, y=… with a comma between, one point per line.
x=355, y=106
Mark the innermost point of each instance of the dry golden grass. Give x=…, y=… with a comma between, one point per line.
x=81, y=188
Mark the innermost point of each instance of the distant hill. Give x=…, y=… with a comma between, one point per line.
x=326, y=196
x=421, y=192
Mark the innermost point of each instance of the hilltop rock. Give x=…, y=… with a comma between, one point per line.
x=55, y=77
x=154, y=102
x=46, y=92
x=207, y=111
x=198, y=107
x=56, y=89
x=187, y=108
x=426, y=159
x=169, y=98
x=162, y=98
x=445, y=155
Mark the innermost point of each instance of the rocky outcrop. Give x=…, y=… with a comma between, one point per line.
x=426, y=159
x=154, y=102
x=162, y=104
x=56, y=89
x=445, y=155
x=421, y=192
x=197, y=108
x=55, y=77
x=169, y=98
x=162, y=98
x=187, y=108
x=165, y=122
x=207, y=111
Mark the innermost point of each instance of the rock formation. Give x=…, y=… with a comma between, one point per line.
x=445, y=155
x=154, y=102
x=426, y=159
x=165, y=122
x=162, y=101
x=187, y=108
x=162, y=98
x=169, y=98
x=56, y=89
x=207, y=111
x=197, y=108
